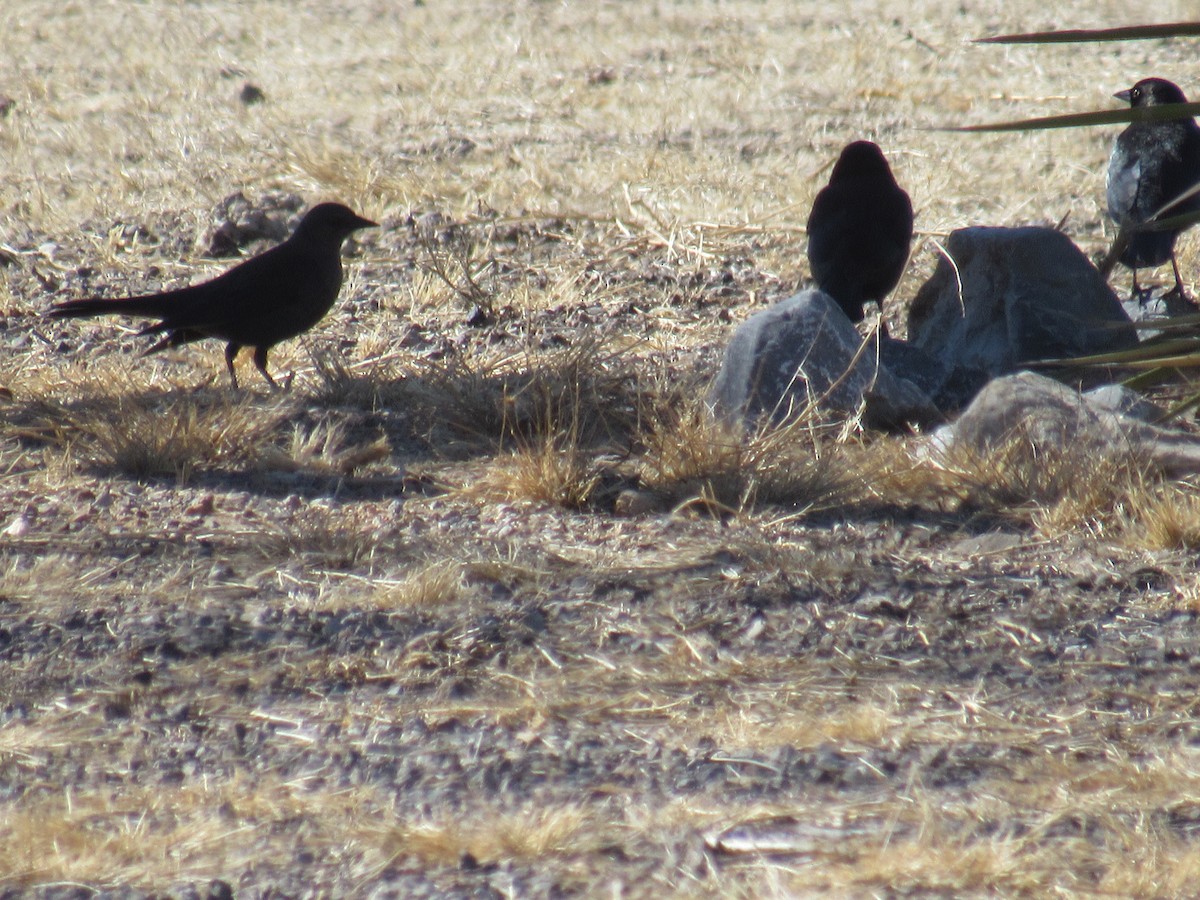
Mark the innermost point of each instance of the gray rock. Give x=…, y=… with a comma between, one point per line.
x=237, y=222
x=1013, y=295
x=804, y=350
x=1150, y=309
x=1051, y=417
x=951, y=388
x=1126, y=401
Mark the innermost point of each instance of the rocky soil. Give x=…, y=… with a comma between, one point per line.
x=290, y=668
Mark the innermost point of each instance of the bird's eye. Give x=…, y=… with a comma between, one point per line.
x=1136, y=93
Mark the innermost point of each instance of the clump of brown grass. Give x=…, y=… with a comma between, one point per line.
x=693, y=454
x=323, y=450
x=589, y=387
x=1165, y=517
x=530, y=833
x=23, y=580
x=430, y=585
x=1020, y=472
x=1055, y=489
x=434, y=585
x=155, y=435
x=553, y=469
x=323, y=539
x=135, y=834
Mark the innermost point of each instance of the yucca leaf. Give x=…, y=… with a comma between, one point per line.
x=1158, y=354
x=1183, y=361
x=1102, y=117
x=1171, y=223
x=1188, y=403
x=1127, y=33
x=1184, y=323
x=1148, y=379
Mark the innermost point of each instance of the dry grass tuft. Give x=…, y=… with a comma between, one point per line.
x=692, y=454
x=1055, y=489
x=554, y=470
x=322, y=539
x=24, y=581
x=588, y=388
x=495, y=836
x=421, y=586
x=323, y=449
x=434, y=585
x=153, y=435
x=1164, y=517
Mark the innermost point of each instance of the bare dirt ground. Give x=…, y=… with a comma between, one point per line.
x=480, y=605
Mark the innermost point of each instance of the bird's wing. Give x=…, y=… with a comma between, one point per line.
x=831, y=220
x=262, y=283
x=1124, y=178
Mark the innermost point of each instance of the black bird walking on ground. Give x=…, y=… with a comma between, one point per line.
x=1152, y=163
x=267, y=299
x=859, y=230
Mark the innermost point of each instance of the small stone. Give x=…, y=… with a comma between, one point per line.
x=202, y=507
x=18, y=527
x=631, y=502
x=251, y=94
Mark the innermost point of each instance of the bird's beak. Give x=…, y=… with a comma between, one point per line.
x=1123, y=96
x=364, y=223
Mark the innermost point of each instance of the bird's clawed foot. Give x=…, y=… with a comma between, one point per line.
x=1180, y=298
x=1142, y=295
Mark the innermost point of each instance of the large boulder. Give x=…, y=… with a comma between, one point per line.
x=1007, y=296
x=804, y=351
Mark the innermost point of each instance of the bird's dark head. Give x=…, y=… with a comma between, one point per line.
x=1152, y=92
x=860, y=158
x=333, y=219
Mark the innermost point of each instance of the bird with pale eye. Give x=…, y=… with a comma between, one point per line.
x=1153, y=163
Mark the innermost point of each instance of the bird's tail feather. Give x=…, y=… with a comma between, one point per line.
x=155, y=305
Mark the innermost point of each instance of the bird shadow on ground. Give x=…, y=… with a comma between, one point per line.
x=205, y=436
x=398, y=433
x=339, y=434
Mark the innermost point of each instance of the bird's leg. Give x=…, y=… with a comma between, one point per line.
x=1178, y=290
x=231, y=352
x=260, y=360
x=1140, y=294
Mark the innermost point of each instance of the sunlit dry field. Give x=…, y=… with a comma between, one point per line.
x=482, y=603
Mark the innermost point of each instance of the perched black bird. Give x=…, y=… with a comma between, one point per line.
x=859, y=230
x=267, y=299
x=1152, y=163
